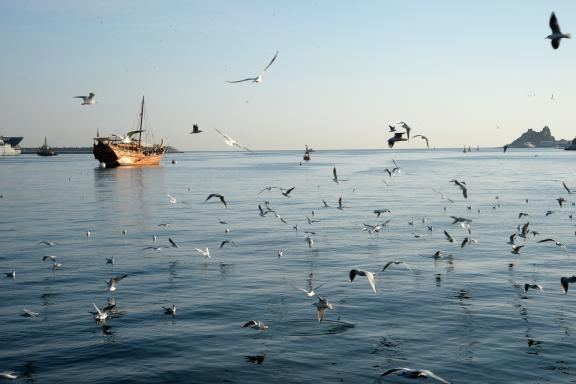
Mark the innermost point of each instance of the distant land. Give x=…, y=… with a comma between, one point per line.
x=68, y=150
x=535, y=139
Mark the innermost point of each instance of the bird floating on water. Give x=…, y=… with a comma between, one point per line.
x=322, y=305
x=170, y=310
x=255, y=324
x=257, y=79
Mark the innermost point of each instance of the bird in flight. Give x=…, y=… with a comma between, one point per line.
x=462, y=186
x=414, y=374
x=87, y=100
x=556, y=35
x=218, y=196
x=369, y=275
x=397, y=137
x=423, y=138
x=195, y=129
x=231, y=142
x=257, y=79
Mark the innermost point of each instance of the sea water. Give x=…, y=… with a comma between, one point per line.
x=464, y=316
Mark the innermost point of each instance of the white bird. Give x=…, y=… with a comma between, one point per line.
x=556, y=35
x=310, y=241
x=8, y=375
x=11, y=275
x=231, y=142
x=414, y=374
x=527, y=286
x=87, y=100
x=172, y=199
x=321, y=306
x=205, y=252
x=257, y=79
x=310, y=292
x=102, y=314
x=114, y=281
x=369, y=275
x=29, y=313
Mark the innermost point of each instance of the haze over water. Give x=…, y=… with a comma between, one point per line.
x=460, y=316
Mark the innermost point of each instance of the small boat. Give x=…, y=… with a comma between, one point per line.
x=7, y=148
x=114, y=150
x=572, y=146
x=45, y=150
x=306, y=155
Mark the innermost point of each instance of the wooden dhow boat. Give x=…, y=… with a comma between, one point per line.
x=115, y=150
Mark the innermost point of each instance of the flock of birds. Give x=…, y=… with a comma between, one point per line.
x=101, y=315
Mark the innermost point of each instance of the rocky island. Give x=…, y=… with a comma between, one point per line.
x=535, y=139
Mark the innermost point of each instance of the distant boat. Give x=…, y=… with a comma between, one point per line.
x=7, y=146
x=572, y=146
x=45, y=150
x=116, y=150
x=306, y=155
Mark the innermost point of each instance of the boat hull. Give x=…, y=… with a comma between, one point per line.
x=114, y=155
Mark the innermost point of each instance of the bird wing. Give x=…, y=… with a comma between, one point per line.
x=240, y=81
x=554, y=24
x=545, y=240
x=270, y=63
x=566, y=187
x=393, y=370
x=97, y=309
x=435, y=376
x=371, y=280
x=334, y=173
x=116, y=279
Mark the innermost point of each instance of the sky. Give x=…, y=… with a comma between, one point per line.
x=459, y=72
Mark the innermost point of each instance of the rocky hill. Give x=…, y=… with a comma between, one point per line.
x=534, y=139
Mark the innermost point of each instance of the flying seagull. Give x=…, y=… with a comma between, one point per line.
x=218, y=196
x=231, y=142
x=205, y=252
x=414, y=374
x=369, y=275
x=114, y=281
x=406, y=127
x=395, y=262
x=195, y=129
x=398, y=136
x=533, y=286
x=87, y=100
x=462, y=186
x=311, y=292
x=257, y=79
x=321, y=306
x=564, y=283
x=448, y=237
x=556, y=35
x=423, y=138
x=286, y=192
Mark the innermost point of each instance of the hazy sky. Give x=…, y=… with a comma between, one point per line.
x=453, y=70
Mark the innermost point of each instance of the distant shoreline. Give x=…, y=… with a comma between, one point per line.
x=79, y=150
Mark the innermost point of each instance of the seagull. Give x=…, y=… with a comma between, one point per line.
x=48, y=243
x=280, y=253
x=448, y=237
x=512, y=237
x=395, y=262
x=423, y=138
x=218, y=196
x=195, y=129
x=564, y=283
x=205, y=252
x=325, y=204
x=522, y=214
x=406, y=127
x=87, y=100
x=286, y=192
x=397, y=137
x=340, y=206
x=257, y=79
x=468, y=240
x=170, y=311
x=369, y=275
x=8, y=375
x=556, y=35
x=561, y=201
x=516, y=249
x=321, y=306
x=268, y=189
x=110, y=260
x=533, y=286
x=392, y=128
x=114, y=281
x=524, y=231
x=566, y=188
x=335, y=176
x=223, y=243
x=443, y=196
x=29, y=313
x=172, y=198
x=255, y=324
x=102, y=314
x=173, y=243
x=231, y=142
x=458, y=219
x=414, y=374
x=312, y=291
x=559, y=244
x=505, y=147
x=462, y=186
x=11, y=275
x=378, y=212
x=310, y=241
x=49, y=257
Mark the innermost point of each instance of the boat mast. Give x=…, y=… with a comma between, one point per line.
x=141, y=118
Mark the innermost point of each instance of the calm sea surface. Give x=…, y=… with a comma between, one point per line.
x=464, y=316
